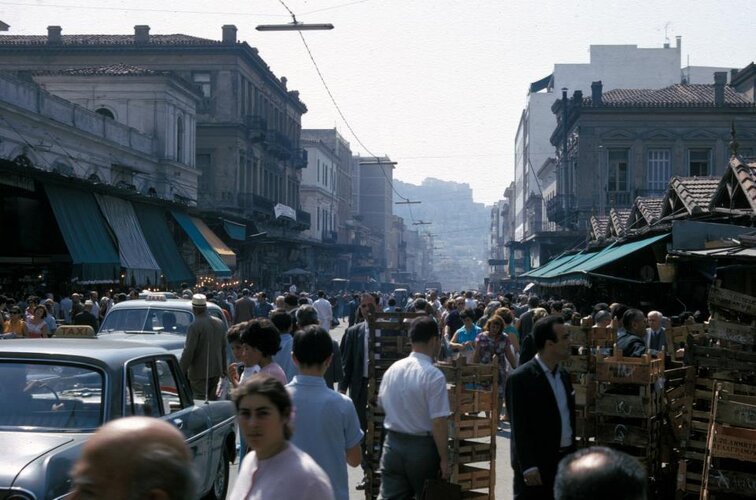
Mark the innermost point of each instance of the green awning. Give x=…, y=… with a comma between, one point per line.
x=540, y=271
x=219, y=268
x=614, y=253
x=86, y=234
x=154, y=225
x=235, y=230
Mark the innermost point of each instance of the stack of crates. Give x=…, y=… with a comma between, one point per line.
x=629, y=407
x=474, y=401
x=388, y=341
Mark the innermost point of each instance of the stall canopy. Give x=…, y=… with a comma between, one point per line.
x=136, y=256
x=188, y=224
x=86, y=234
x=153, y=222
x=574, y=269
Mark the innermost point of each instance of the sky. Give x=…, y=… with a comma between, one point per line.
x=437, y=85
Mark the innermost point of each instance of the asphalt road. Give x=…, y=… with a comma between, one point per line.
x=503, y=470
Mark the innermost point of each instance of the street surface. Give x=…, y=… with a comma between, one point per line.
x=503, y=469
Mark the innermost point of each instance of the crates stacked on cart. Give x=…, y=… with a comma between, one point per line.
x=388, y=341
x=584, y=342
x=629, y=407
x=474, y=400
x=730, y=457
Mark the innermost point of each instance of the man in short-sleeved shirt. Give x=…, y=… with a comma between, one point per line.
x=413, y=394
x=325, y=424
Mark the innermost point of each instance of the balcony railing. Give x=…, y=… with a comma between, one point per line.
x=299, y=158
x=256, y=203
x=303, y=218
x=560, y=208
x=256, y=127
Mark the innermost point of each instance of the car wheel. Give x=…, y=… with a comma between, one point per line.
x=220, y=480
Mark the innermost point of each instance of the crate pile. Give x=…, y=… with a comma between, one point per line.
x=629, y=407
x=721, y=355
x=474, y=400
x=388, y=341
x=730, y=455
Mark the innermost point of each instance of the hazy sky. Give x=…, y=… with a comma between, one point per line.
x=438, y=85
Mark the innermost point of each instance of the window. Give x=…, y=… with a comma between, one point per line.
x=169, y=389
x=141, y=394
x=179, y=139
x=698, y=162
x=105, y=112
x=658, y=173
x=202, y=80
x=617, y=179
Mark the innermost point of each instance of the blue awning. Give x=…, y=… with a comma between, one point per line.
x=235, y=230
x=154, y=225
x=86, y=234
x=217, y=265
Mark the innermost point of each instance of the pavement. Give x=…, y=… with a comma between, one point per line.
x=503, y=469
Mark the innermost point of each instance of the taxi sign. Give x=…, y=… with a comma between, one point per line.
x=74, y=332
x=155, y=297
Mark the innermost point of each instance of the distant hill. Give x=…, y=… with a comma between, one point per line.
x=461, y=226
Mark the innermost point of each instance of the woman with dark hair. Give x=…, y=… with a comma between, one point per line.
x=260, y=341
x=274, y=469
x=36, y=326
x=464, y=338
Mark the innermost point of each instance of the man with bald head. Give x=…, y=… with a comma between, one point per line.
x=600, y=472
x=134, y=458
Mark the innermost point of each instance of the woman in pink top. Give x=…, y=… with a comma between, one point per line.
x=275, y=469
x=260, y=341
x=36, y=326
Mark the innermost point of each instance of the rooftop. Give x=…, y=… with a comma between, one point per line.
x=109, y=70
x=95, y=40
x=694, y=193
x=673, y=96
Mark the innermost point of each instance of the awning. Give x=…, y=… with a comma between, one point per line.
x=86, y=234
x=228, y=255
x=136, y=256
x=187, y=223
x=235, y=230
x=575, y=269
x=153, y=222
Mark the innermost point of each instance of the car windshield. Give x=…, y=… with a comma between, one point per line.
x=150, y=320
x=48, y=396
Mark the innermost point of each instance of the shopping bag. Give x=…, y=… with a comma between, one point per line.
x=440, y=489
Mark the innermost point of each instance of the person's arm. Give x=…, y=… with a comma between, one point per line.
x=188, y=353
x=354, y=456
x=347, y=345
x=441, y=438
x=510, y=357
x=453, y=342
x=514, y=341
x=45, y=331
x=476, y=354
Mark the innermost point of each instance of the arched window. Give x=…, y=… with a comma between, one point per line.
x=105, y=112
x=180, y=139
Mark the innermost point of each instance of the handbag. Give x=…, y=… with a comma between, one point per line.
x=441, y=489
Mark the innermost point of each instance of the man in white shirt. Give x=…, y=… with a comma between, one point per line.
x=541, y=406
x=414, y=396
x=325, y=312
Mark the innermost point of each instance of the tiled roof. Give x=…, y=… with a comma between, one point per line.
x=649, y=207
x=744, y=175
x=94, y=40
x=112, y=69
x=598, y=225
x=694, y=193
x=619, y=218
x=672, y=96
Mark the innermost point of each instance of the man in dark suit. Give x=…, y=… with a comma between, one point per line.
x=541, y=406
x=354, y=350
x=632, y=341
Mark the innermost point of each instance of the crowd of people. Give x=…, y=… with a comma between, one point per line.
x=301, y=397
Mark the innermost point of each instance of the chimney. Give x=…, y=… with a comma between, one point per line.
x=284, y=81
x=733, y=72
x=597, y=89
x=141, y=34
x=53, y=35
x=720, y=80
x=229, y=34
x=678, y=42
x=577, y=98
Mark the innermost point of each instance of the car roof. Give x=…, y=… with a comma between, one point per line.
x=97, y=350
x=176, y=304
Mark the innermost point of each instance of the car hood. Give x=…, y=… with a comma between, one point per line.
x=22, y=448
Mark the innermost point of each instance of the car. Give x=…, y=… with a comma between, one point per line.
x=54, y=394
x=154, y=319
x=167, y=295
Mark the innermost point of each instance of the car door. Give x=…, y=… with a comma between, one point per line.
x=155, y=391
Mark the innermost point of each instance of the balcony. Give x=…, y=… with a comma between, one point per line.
x=619, y=199
x=256, y=126
x=303, y=218
x=255, y=203
x=560, y=209
x=329, y=236
x=278, y=144
x=299, y=158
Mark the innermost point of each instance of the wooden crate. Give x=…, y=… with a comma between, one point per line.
x=471, y=427
x=618, y=369
x=739, y=364
x=472, y=401
x=473, y=478
x=645, y=434
x=733, y=333
x=627, y=405
x=580, y=363
x=733, y=301
x=465, y=451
